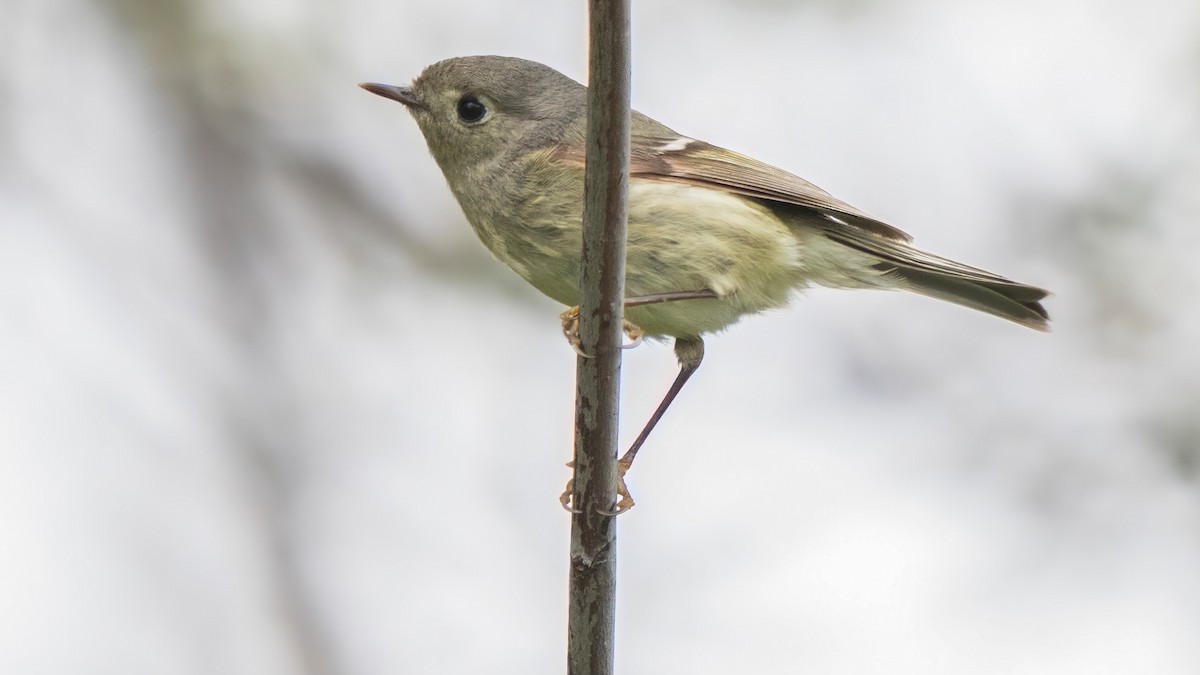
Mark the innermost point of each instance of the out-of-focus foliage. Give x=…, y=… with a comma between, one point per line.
x=266, y=406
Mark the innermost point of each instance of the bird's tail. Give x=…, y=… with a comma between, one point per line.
x=994, y=295
x=914, y=270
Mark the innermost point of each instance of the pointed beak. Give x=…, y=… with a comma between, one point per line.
x=404, y=95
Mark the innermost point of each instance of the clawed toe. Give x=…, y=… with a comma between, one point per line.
x=624, y=500
x=633, y=332
x=570, y=330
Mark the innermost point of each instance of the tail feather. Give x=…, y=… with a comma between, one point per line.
x=1010, y=300
x=920, y=272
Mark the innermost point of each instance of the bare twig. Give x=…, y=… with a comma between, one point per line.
x=602, y=289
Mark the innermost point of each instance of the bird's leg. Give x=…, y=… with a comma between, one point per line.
x=673, y=296
x=570, y=318
x=690, y=352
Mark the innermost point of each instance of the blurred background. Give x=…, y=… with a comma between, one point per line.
x=268, y=406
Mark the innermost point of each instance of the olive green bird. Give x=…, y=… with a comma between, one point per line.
x=713, y=235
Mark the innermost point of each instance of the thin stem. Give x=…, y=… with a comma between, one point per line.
x=591, y=614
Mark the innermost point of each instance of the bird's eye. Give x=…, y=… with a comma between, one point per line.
x=470, y=109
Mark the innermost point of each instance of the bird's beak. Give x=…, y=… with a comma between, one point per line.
x=404, y=95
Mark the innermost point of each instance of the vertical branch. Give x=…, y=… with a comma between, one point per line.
x=602, y=289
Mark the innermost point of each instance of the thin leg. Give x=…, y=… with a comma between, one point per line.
x=639, y=300
x=690, y=352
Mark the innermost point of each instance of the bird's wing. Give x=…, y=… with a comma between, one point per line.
x=679, y=159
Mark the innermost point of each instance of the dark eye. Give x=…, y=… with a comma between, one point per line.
x=470, y=109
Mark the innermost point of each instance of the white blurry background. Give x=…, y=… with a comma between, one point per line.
x=267, y=406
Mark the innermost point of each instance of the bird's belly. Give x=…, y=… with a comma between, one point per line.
x=687, y=238
x=680, y=238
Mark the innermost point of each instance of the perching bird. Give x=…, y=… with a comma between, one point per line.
x=712, y=235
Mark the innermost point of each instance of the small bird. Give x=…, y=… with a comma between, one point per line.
x=713, y=235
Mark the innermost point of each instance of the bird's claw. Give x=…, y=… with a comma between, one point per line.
x=634, y=333
x=568, y=494
x=624, y=499
x=570, y=330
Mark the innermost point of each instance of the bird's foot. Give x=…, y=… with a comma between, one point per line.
x=624, y=500
x=570, y=330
